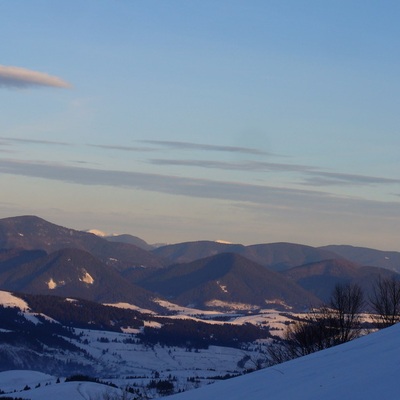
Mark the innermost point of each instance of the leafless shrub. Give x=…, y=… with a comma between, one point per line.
x=385, y=301
x=328, y=326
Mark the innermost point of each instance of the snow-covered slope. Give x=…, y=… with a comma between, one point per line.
x=366, y=368
x=40, y=386
x=9, y=300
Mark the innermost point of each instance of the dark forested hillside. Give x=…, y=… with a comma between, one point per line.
x=197, y=334
x=69, y=273
x=365, y=256
x=227, y=278
x=84, y=314
x=320, y=278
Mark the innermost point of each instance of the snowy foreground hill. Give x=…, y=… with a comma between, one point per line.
x=367, y=368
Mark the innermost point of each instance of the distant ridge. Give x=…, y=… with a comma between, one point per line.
x=130, y=239
x=366, y=256
x=277, y=256
x=226, y=278
x=191, y=251
x=32, y=233
x=320, y=278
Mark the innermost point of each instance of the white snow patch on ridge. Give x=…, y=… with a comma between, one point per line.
x=87, y=278
x=71, y=300
x=152, y=324
x=231, y=305
x=223, y=287
x=130, y=307
x=97, y=232
x=184, y=310
x=51, y=284
x=8, y=300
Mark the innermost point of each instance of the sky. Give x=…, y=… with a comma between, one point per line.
x=252, y=121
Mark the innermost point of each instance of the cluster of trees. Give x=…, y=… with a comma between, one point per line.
x=12, y=398
x=88, y=378
x=340, y=320
x=385, y=302
x=200, y=335
x=17, y=330
x=84, y=314
x=163, y=387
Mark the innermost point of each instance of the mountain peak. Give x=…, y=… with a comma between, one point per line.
x=97, y=232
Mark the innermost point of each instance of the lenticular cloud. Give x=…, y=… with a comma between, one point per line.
x=16, y=77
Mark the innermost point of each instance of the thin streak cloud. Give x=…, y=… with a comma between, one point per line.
x=17, y=77
x=206, y=147
x=120, y=148
x=335, y=178
x=253, y=166
x=202, y=188
x=35, y=141
x=315, y=177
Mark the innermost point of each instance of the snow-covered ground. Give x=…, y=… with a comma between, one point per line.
x=135, y=363
x=275, y=319
x=122, y=359
x=364, y=369
x=17, y=380
x=40, y=386
x=126, y=361
x=9, y=300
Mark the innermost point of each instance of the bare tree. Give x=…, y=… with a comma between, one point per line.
x=385, y=301
x=301, y=338
x=336, y=323
x=347, y=303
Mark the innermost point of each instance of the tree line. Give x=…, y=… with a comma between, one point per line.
x=340, y=320
x=200, y=335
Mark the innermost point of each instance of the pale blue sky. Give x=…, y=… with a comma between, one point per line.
x=248, y=121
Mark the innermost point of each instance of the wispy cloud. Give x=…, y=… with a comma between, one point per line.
x=16, y=77
x=121, y=148
x=313, y=176
x=206, y=147
x=35, y=141
x=238, y=166
x=323, y=178
x=317, y=201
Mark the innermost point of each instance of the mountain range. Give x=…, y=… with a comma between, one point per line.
x=39, y=257
x=276, y=256
x=34, y=233
x=188, y=314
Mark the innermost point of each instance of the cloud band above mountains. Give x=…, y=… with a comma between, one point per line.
x=16, y=77
x=314, y=177
x=203, y=188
